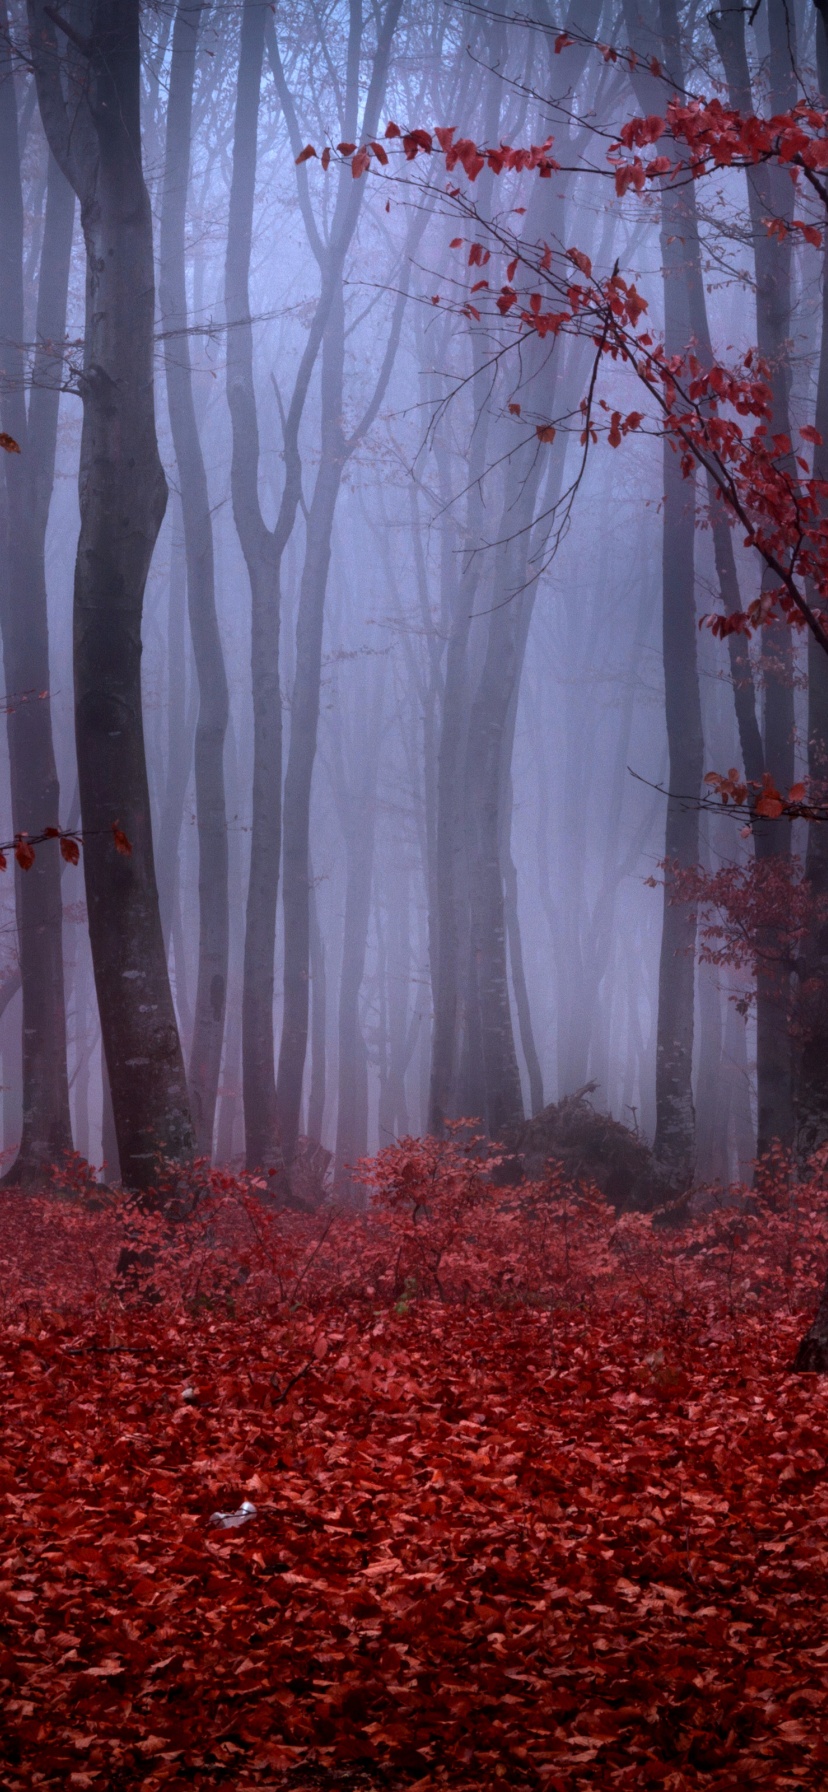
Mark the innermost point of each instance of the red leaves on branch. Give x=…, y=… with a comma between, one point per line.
x=529, y=1497
x=8, y=443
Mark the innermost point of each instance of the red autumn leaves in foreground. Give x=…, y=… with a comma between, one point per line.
x=538, y=1501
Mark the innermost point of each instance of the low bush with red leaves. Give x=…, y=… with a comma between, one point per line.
x=532, y=1496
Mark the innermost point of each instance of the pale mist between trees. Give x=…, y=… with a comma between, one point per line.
x=358, y=693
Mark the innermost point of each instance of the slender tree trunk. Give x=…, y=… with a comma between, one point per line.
x=304, y=721
x=771, y=194
x=812, y=1353
x=122, y=499
x=182, y=707
x=358, y=801
x=488, y=726
x=812, y=1016
x=29, y=477
x=316, y=1097
x=262, y=553
x=211, y=814
x=675, y=1118
x=519, y=984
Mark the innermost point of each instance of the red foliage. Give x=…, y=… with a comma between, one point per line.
x=531, y=1498
x=717, y=416
x=762, y=911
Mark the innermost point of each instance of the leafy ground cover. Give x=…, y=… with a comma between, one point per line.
x=537, y=1500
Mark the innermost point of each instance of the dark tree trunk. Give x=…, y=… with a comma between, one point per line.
x=771, y=194
x=675, y=1120
x=211, y=815
x=674, y=1141
x=449, y=923
x=29, y=477
x=97, y=141
x=812, y=1353
x=812, y=1017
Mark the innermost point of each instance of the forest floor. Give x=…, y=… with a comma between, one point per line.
x=563, y=1529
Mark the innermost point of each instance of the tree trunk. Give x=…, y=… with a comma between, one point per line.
x=771, y=194
x=674, y=1141
x=812, y=1016
x=262, y=554
x=304, y=721
x=316, y=1096
x=122, y=502
x=211, y=814
x=29, y=477
x=675, y=1119
x=358, y=800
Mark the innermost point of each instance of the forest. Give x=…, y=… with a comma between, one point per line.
x=413, y=894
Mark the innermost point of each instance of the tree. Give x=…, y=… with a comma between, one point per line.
x=89, y=95
x=29, y=477
x=211, y=726
x=337, y=444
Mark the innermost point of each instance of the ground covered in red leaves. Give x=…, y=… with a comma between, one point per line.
x=567, y=1528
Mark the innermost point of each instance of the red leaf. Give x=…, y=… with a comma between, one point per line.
x=122, y=844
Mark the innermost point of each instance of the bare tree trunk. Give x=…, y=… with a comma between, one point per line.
x=181, y=721
x=675, y=1118
x=812, y=1017
x=29, y=477
x=97, y=141
x=358, y=800
x=486, y=751
x=524, y=1012
x=771, y=194
x=316, y=1096
x=262, y=553
x=211, y=813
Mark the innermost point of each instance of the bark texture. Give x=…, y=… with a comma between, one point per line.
x=29, y=477
x=89, y=93
x=771, y=194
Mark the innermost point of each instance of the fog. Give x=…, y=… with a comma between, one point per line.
x=403, y=660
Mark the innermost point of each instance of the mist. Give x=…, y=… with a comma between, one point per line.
x=405, y=695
